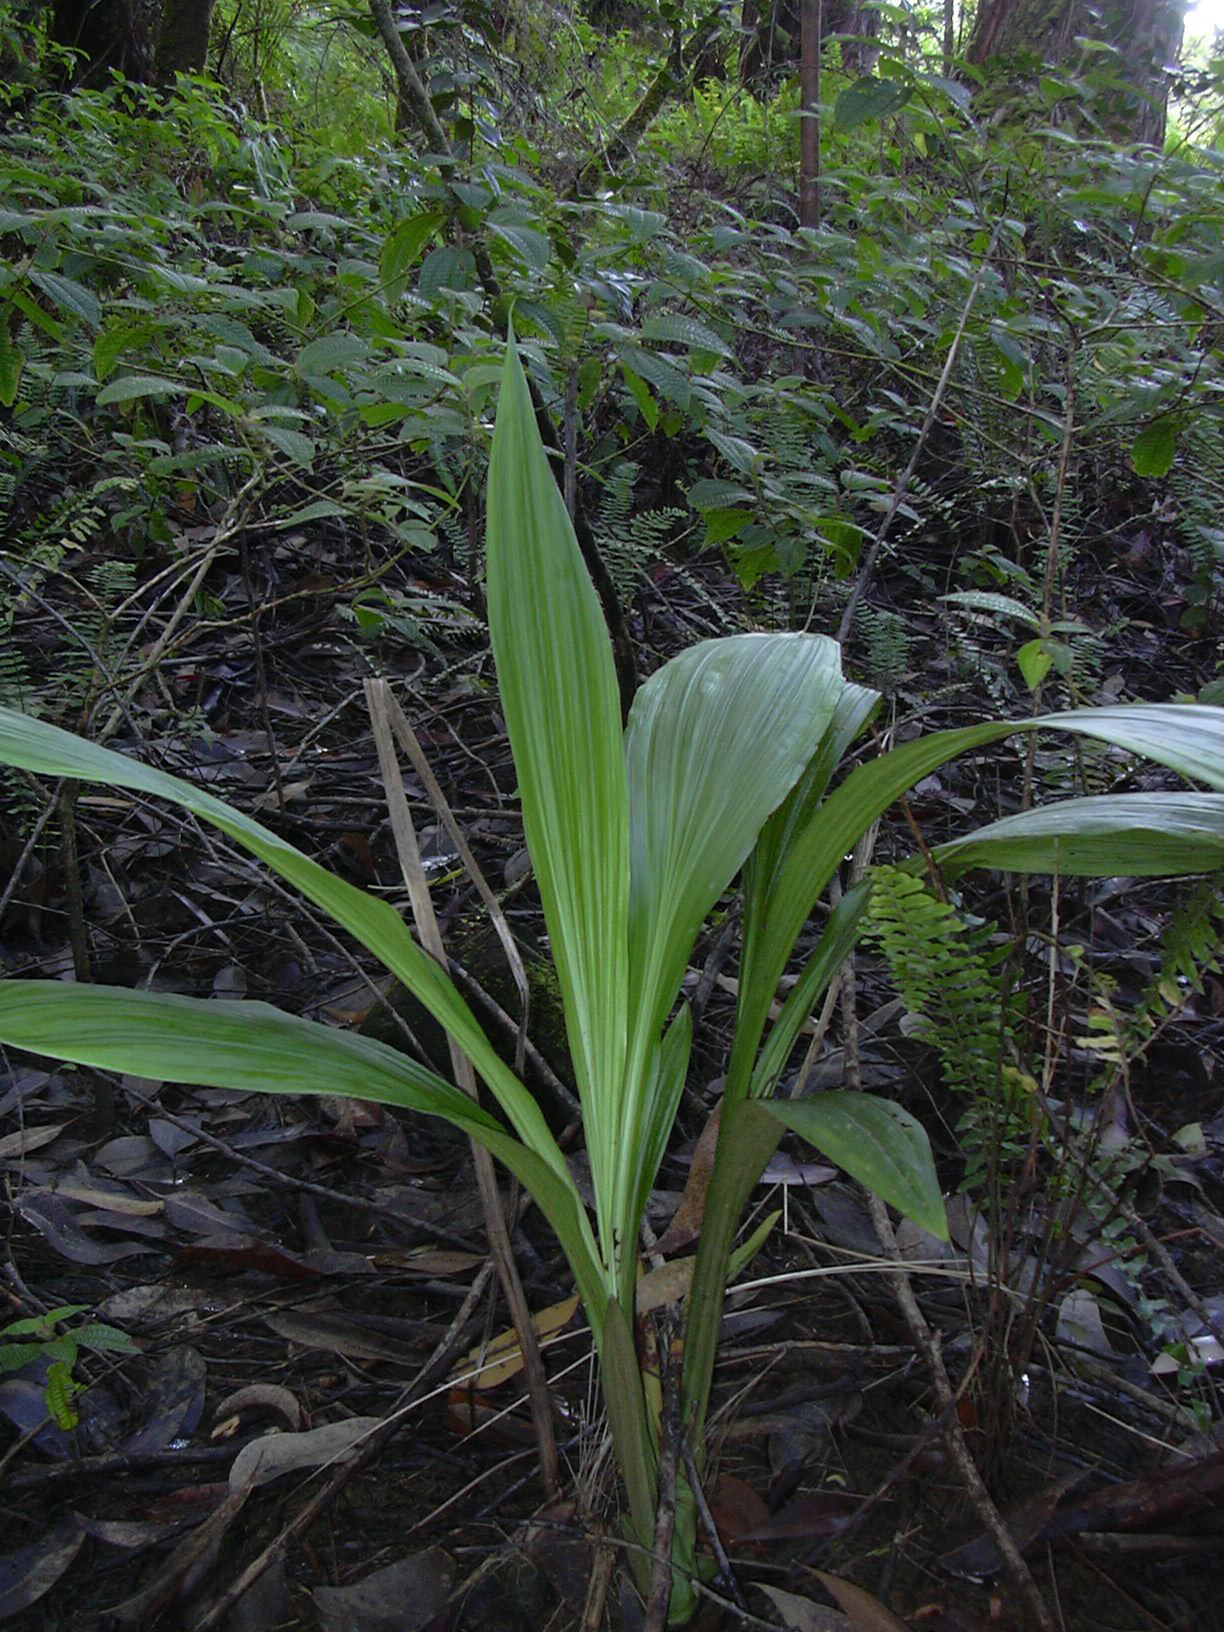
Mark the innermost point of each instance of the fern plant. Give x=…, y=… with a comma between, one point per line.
x=630, y=540
x=951, y=974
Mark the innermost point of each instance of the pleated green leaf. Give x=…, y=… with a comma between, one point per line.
x=253, y=1047
x=877, y=1143
x=33, y=745
x=717, y=738
x=1133, y=835
x=561, y=705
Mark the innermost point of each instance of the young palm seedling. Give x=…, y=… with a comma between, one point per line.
x=725, y=765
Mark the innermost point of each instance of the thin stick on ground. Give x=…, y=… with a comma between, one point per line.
x=438, y=1362
x=486, y=1178
x=975, y=1486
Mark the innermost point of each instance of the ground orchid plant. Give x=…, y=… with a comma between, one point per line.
x=725, y=767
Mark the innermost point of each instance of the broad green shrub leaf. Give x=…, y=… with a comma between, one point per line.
x=1153, y=449
x=527, y=243
x=402, y=248
x=876, y=1142
x=986, y=600
x=561, y=704
x=867, y=99
x=68, y=295
x=641, y=395
x=673, y=329
x=293, y=444
x=664, y=376
x=331, y=352
x=134, y=387
x=446, y=268
x=1035, y=662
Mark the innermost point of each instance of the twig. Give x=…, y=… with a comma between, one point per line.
x=726, y=1574
x=439, y=1360
x=983, y=1503
x=377, y=698
x=261, y=677
x=409, y=743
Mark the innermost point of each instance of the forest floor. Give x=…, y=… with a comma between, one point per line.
x=296, y=1265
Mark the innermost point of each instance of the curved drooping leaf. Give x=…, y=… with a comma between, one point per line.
x=33, y=745
x=253, y=1046
x=561, y=704
x=1188, y=738
x=218, y=1044
x=1132, y=835
x=876, y=1142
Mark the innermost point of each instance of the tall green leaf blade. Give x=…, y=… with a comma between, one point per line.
x=33, y=745
x=876, y=1142
x=835, y=946
x=1131, y=835
x=562, y=709
x=636, y=1455
x=747, y=1138
x=662, y=1101
x=855, y=707
x=255, y=1047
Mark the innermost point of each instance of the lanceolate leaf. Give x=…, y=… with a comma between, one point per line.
x=1134, y=835
x=559, y=696
x=854, y=708
x=254, y=1046
x=877, y=1143
x=835, y=946
x=1189, y=739
x=33, y=745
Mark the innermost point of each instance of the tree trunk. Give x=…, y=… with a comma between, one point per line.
x=771, y=32
x=809, y=103
x=1146, y=33
x=182, y=45
x=111, y=35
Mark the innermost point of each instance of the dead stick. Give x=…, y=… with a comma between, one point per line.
x=486, y=1179
x=975, y=1485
